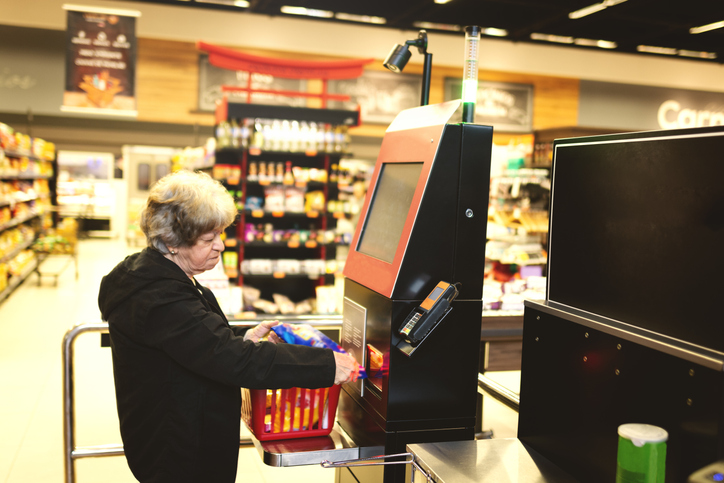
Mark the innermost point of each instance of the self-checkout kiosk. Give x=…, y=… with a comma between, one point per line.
x=413, y=286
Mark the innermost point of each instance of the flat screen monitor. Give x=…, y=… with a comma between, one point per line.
x=389, y=206
x=637, y=224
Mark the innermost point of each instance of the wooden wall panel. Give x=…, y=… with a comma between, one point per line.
x=167, y=83
x=167, y=87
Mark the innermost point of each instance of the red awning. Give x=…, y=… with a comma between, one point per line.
x=287, y=68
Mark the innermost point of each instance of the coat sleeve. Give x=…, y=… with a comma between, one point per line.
x=200, y=340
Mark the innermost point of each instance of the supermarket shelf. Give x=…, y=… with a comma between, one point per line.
x=15, y=281
x=21, y=154
x=237, y=110
x=19, y=248
x=25, y=200
x=19, y=221
x=284, y=244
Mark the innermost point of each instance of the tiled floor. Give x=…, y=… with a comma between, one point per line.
x=33, y=321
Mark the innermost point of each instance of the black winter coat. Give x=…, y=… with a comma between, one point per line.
x=178, y=367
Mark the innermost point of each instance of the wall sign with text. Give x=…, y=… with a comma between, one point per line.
x=637, y=108
x=100, y=75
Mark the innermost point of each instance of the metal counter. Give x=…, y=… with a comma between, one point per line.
x=338, y=446
x=484, y=461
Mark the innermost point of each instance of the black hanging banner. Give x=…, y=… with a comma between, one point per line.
x=100, y=73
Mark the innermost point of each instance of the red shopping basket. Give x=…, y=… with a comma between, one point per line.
x=289, y=413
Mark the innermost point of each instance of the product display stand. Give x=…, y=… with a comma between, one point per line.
x=282, y=166
x=27, y=184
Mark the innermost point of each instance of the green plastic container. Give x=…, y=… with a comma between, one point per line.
x=641, y=454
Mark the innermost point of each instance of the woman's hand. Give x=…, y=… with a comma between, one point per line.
x=258, y=332
x=347, y=368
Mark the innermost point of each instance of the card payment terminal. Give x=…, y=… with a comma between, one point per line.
x=420, y=322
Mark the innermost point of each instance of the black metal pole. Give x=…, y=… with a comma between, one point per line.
x=426, y=70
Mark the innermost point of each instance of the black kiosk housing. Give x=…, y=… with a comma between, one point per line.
x=423, y=221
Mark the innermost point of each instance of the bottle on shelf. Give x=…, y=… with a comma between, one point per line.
x=235, y=136
x=223, y=134
x=253, y=174
x=262, y=176
x=328, y=139
x=288, y=176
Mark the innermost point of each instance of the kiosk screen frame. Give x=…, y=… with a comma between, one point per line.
x=389, y=206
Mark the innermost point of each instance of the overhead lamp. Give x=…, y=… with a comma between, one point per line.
x=601, y=44
x=399, y=56
x=493, y=32
x=558, y=39
x=231, y=3
x=351, y=17
x=438, y=26
x=697, y=54
x=309, y=12
x=651, y=49
x=591, y=9
x=585, y=11
x=706, y=28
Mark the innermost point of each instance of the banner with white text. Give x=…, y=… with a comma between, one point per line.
x=100, y=72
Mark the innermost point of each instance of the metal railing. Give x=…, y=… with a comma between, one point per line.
x=73, y=452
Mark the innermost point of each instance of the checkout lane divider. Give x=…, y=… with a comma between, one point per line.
x=72, y=452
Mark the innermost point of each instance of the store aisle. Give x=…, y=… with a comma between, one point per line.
x=33, y=321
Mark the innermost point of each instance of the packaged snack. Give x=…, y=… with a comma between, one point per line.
x=304, y=334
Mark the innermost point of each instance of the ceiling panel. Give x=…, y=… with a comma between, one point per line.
x=628, y=23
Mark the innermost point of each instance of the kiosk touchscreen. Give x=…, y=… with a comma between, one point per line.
x=413, y=285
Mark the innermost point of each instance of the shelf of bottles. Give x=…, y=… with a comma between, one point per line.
x=26, y=173
x=282, y=165
x=282, y=135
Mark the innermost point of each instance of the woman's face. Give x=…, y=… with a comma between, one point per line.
x=201, y=256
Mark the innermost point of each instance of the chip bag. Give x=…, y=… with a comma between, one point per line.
x=305, y=334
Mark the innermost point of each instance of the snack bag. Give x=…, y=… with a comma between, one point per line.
x=304, y=334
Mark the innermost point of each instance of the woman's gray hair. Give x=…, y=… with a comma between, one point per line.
x=182, y=206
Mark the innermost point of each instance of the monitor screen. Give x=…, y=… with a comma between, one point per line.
x=388, y=210
x=637, y=223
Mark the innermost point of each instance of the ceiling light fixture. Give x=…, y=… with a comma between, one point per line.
x=559, y=39
x=596, y=7
x=360, y=18
x=706, y=28
x=697, y=55
x=309, y=12
x=601, y=44
x=438, y=26
x=231, y=3
x=442, y=2
x=494, y=32
x=651, y=49
x=585, y=11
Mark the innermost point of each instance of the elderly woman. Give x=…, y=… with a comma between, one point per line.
x=177, y=363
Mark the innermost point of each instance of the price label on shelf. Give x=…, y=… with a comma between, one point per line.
x=293, y=244
x=312, y=214
x=279, y=274
x=257, y=213
x=277, y=214
x=311, y=244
